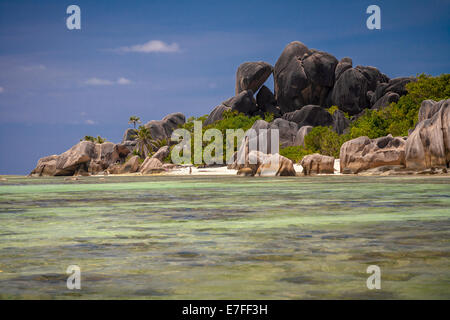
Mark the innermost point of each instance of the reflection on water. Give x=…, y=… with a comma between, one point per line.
x=225, y=237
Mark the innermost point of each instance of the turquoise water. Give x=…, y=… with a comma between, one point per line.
x=233, y=237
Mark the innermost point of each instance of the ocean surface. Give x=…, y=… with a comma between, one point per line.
x=211, y=237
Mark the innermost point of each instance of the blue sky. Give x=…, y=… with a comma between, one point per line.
x=58, y=85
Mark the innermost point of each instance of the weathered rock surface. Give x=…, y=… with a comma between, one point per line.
x=252, y=75
x=428, y=146
x=317, y=163
x=162, y=153
x=84, y=157
x=129, y=135
x=310, y=115
x=428, y=108
x=130, y=166
x=276, y=165
x=386, y=100
x=216, y=114
x=162, y=129
x=303, y=76
x=151, y=165
x=340, y=122
x=266, y=102
x=243, y=102
x=349, y=91
x=363, y=153
x=301, y=134
x=344, y=64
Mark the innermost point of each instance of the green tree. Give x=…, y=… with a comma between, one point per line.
x=134, y=120
x=144, y=142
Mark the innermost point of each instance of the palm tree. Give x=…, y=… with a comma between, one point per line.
x=144, y=141
x=133, y=120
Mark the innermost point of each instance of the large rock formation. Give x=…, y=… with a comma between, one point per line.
x=162, y=129
x=252, y=75
x=428, y=146
x=363, y=153
x=317, y=163
x=310, y=115
x=130, y=166
x=84, y=157
x=216, y=114
x=261, y=164
x=151, y=165
x=243, y=102
x=350, y=91
x=266, y=102
x=340, y=122
x=303, y=76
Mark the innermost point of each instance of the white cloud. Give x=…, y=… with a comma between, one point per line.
x=105, y=82
x=151, y=46
x=89, y=121
x=2, y=89
x=98, y=82
x=33, y=68
x=123, y=81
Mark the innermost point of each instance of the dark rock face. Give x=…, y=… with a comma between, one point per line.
x=266, y=102
x=428, y=146
x=386, y=100
x=162, y=129
x=373, y=76
x=340, y=122
x=303, y=76
x=344, y=64
x=244, y=102
x=252, y=75
x=398, y=85
x=349, y=92
x=287, y=131
x=216, y=114
x=310, y=115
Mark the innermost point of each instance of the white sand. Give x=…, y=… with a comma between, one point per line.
x=184, y=171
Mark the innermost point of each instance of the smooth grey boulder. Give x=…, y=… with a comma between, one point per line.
x=398, y=85
x=252, y=75
x=162, y=129
x=244, y=102
x=340, y=122
x=386, y=100
x=216, y=114
x=310, y=115
x=349, y=92
x=129, y=135
x=301, y=134
x=287, y=131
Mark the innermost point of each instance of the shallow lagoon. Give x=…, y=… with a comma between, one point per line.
x=181, y=237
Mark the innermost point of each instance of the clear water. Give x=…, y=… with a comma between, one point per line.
x=225, y=237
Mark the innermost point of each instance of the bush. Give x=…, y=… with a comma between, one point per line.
x=295, y=153
x=325, y=141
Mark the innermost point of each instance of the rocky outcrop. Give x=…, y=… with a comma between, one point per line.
x=349, y=92
x=301, y=134
x=363, y=153
x=266, y=102
x=84, y=157
x=428, y=146
x=287, y=131
x=428, y=108
x=129, y=135
x=252, y=75
x=130, y=166
x=386, y=100
x=310, y=115
x=151, y=165
x=344, y=64
x=162, y=129
x=303, y=76
x=216, y=114
x=340, y=122
x=317, y=163
x=243, y=102
x=162, y=153
x=276, y=165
